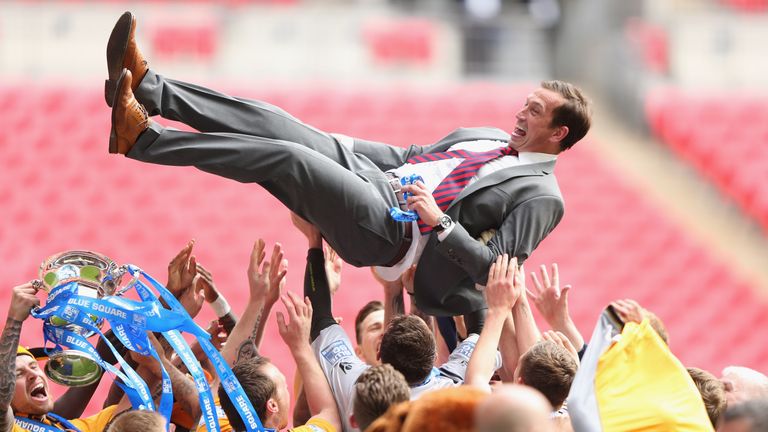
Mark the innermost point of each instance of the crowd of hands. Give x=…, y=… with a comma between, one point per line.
x=509, y=326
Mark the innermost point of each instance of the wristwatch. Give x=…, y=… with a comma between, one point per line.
x=443, y=223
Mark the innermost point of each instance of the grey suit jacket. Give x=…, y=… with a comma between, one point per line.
x=523, y=204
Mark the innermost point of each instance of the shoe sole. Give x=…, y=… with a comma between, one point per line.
x=112, y=131
x=116, y=48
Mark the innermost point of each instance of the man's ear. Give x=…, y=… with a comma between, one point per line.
x=358, y=351
x=272, y=407
x=353, y=422
x=560, y=133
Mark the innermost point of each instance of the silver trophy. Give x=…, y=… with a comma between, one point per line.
x=96, y=276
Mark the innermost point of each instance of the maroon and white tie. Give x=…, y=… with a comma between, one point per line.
x=457, y=180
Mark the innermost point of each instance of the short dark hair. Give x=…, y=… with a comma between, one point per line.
x=575, y=112
x=376, y=389
x=549, y=368
x=369, y=308
x=409, y=346
x=258, y=388
x=136, y=421
x=712, y=392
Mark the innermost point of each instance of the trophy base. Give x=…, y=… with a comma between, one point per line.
x=72, y=369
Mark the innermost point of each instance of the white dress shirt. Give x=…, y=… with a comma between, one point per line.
x=433, y=174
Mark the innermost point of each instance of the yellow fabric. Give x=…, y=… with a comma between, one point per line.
x=223, y=420
x=20, y=350
x=17, y=428
x=94, y=423
x=97, y=422
x=315, y=425
x=641, y=386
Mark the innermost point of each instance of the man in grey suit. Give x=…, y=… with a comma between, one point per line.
x=346, y=187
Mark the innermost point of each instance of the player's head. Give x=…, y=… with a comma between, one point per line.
x=369, y=324
x=555, y=116
x=32, y=394
x=409, y=346
x=136, y=421
x=376, y=389
x=712, y=392
x=265, y=386
x=549, y=368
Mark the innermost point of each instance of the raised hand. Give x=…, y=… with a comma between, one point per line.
x=550, y=300
x=407, y=279
x=218, y=334
x=333, y=266
x=182, y=270
x=311, y=232
x=210, y=292
x=295, y=332
x=629, y=310
x=504, y=285
x=266, y=278
x=563, y=341
x=23, y=299
x=278, y=268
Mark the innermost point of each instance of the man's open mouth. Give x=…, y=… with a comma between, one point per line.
x=38, y=392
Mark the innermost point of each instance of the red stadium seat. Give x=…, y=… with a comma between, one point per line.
x=724, y=136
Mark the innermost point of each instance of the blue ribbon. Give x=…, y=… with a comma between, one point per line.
x=38, y=426
x=130, y=320
x=133, y=386
x=228, y=380
x=406, y=216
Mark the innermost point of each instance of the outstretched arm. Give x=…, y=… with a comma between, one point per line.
x=213, y=296
x=394, y=304
x=184, y=388
x=295, y=333
x=552, y=303
x=316, y=283
x=23, y=299
x=265, y=280
x=501, y=294
x=525, y=326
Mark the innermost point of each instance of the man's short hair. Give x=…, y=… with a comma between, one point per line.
x=549, y=368
x=370, y=307
x=136, y=421
x=754, y=412
x=376, y=389
x=409, y=346
x=712, y=392
x=258, y=388
x=575, y=112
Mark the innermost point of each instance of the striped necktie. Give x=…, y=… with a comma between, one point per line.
x=457, y=180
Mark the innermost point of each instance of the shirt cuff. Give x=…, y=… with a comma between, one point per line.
x=442, y=235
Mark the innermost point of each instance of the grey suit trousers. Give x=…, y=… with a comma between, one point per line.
x=341, y=192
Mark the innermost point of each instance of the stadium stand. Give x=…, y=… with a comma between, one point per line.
x=611, y=242
x=723, y=135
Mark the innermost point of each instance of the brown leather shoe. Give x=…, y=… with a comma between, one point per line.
x=122, y=52
x=129, y=118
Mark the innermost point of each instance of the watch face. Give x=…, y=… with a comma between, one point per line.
x=445, y=221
